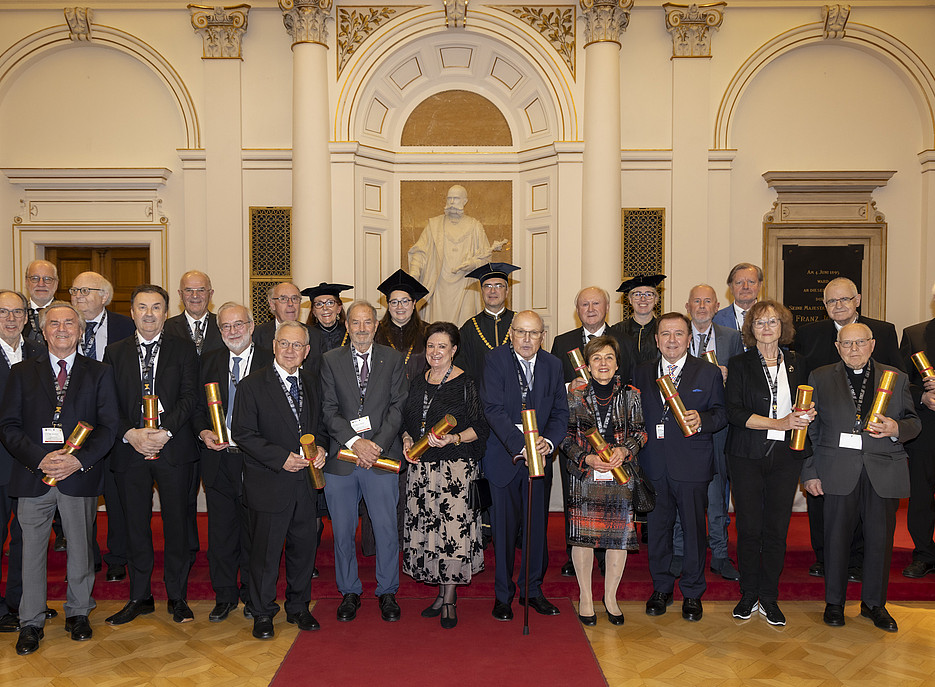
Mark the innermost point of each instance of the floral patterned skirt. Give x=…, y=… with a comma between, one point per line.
x=600, y=514
x=442, y=537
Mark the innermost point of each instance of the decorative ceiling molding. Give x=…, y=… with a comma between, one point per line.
x=555, y=23
x=357, y=24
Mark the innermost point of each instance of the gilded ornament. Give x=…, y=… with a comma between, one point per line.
x=79, y=23
x=835, y=18
x=357, y=24
x=690, y=27
x=221, y=28
x=455, y=13
x=306, y=20
x=555, y=23
x=605, y=20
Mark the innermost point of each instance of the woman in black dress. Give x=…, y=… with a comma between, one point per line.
x=442, y=536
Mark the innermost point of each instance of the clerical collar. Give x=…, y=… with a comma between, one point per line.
x=495, y=314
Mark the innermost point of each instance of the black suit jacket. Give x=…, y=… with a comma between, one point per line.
x=571, y=340
x=919, y=337
x=176, y=384
x=119, y=327
x=178, y=326
x=266, y=430
x=28, y=405
x=815, y=342
x=747, y=393
x=387, y=389
x=215, y=367
x=30, y=350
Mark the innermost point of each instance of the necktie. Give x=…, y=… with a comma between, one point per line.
x=232, y=389
x=90, y=348
x=590, y=336
x=148, y=371
x=364, y=370
x=700, y=342
x=62, y=374
x=199, y=337
x=294, y=390
x=35, y=333
x=527, y=364
x=672, y=369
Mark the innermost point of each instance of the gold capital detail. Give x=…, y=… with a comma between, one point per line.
x=222, y=30
x=79, y=23
x=690, y=27
x=306, y=20
x=835, y=18
x=605, y=20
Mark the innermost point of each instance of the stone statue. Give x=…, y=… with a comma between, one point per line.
x=451, y=245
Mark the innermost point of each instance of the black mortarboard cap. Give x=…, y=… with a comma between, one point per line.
x=325, y=289
x=491, y=270
x=402, y=281
x=645, y=280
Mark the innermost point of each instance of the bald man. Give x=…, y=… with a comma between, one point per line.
x=196, y=321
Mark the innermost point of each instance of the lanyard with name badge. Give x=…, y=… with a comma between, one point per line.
x=523, y=384
x=426, y=401
x=54, y=434
x=661, y=427
x=296, y=411
x=773, y=434
x=361, y=423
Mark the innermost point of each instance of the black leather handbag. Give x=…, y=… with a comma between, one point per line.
x=643, y=494
x=479, y=494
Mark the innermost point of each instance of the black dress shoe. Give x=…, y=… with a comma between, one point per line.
x=657, y=603
x=389, y=609
x=817, y=570
x=833, y=615
x=115, y=573
x=589, y=620
x=221, y=611
x=50, y=613
x=28, y=640
x=614, y=619
x=247, y=613
x=918, y=569
x=98, y=567
x=347, y=609
x=568, y=570
x=541, y=605
x=131, y=611
x=304, y=620
x=855, y=574
x=9, y=622
x=263, y=627
x=315, y=573
x=502, y=611
x=880, y=617
x=691, y=609
x=179, y=610
x=79, y=627
x=60, y=544
x=449, y=619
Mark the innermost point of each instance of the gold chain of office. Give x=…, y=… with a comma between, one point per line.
x=506, y=335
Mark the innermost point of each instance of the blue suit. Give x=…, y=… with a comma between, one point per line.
x=509, y=486
x=680, y=469
x=726, y=317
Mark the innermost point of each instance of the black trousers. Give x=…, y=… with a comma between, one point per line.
x=816, y=531
x=14, y=580
x=228, y=531
x=296, y=527
x=135, y=486
x=116, y=522
x=764, y=490
x=688, y=500
x=920, y=516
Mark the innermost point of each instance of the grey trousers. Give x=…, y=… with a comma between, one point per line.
x=35, y=515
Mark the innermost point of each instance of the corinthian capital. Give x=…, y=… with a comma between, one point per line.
x=221, y=28
x=605, y=20
x=690, y=26
x=306, y=20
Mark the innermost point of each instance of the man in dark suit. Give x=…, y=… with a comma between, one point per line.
x=285, y=303
x=91, y=293
x=920, y=516
x=491, y=326
x=725, y=343
x=860, y=467
x=679, y=467
x=41, y=285
x=520, y=376
x=274, y=407
x=744, y=282
x=44, y=400
x=363, y=389
x=222, y=464
x=153, y=363
x=196, y=321
x=816, y=343
x=591, y=304
x=15, y=348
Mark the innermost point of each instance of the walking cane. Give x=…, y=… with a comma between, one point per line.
x=536, y=466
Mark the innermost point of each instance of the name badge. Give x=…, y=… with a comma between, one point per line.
x=849, y=440
x=660, y=431
x=53, y=435
x=776, y=434
x=361, y=424
x=603, y=476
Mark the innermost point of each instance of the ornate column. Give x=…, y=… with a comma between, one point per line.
x=605, y=21
x=305, y=21
x=219, y=249
x=692, y=203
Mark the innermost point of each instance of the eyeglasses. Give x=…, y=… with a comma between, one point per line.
x=84, y=290
x=831, y=302
x=294, y=345
x=193, y=292
x=642, y=295
x=493, y=287
x=16, y=312
x=762, y=324
x=287, y=300
x=527, y=333
x=330, y=303
x=860, y=343
x=231, y=326
x=35, y=279
x=400, y=302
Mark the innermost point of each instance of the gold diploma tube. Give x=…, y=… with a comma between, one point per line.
x=75, y=441
x=710, y=356
x=309, y=449
x=603, y=450
x=577, y=362
x=881, y=400
x=216, y=411
x=534, y=462
x=151, y=416
x=441, y=428
x=671, y=395
x=803, y=400
x=382, y=463
x=921, y=361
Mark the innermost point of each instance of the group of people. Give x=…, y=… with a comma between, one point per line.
x=701, y=402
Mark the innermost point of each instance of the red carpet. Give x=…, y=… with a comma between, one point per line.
x=418, y=652
x=636, y=585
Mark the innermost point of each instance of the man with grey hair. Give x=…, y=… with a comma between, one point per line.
x=196, y=321
x=920, y=516
x=45, y=399
x=363, y=389
x=41, y=285
x=744, y=281
x=285, y=303
x=222, y=465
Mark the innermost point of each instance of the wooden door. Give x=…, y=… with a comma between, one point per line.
x=125, y=268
